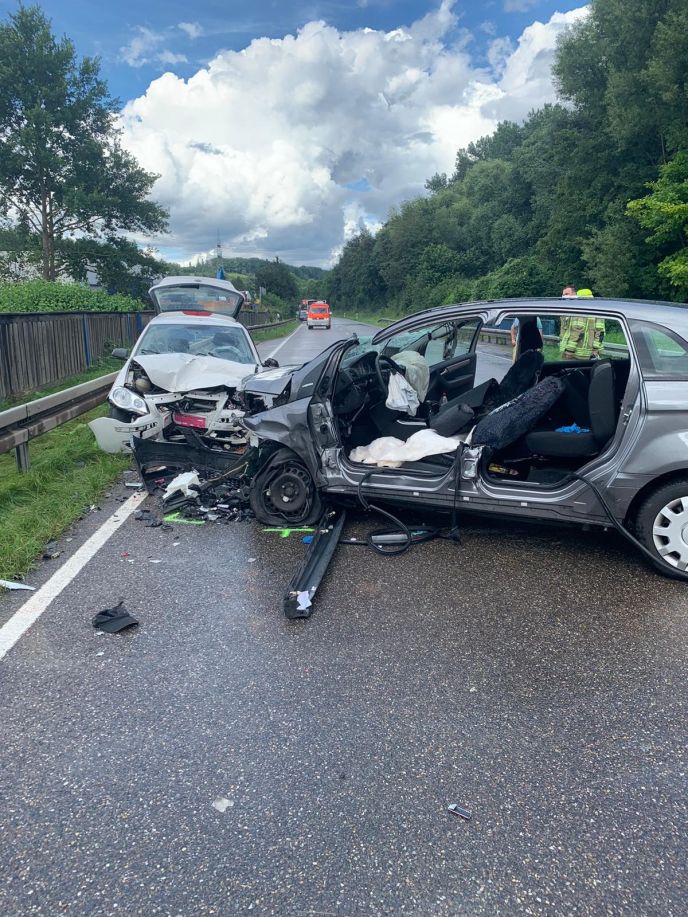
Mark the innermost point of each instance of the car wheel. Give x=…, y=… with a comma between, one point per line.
x=119, y=414
x=284, y=494
x=661, y=524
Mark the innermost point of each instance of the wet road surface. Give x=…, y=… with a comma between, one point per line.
x=534, y=676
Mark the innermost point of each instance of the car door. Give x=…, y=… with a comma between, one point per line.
x=449, y=350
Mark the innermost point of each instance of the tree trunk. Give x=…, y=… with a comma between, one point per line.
x=45, y=236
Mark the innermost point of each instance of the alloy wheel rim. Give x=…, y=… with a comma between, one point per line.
x=670, y=533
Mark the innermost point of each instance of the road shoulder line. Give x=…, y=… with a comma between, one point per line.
x=12, y=631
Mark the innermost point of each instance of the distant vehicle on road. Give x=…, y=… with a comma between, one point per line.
x=302, y=311
x=319, y=315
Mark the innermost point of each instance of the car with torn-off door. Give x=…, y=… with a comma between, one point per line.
x=181, y=377
x=591, y=429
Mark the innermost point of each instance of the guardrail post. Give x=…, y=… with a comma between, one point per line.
x=23, y=457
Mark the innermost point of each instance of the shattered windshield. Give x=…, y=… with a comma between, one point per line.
x=198, y=340
x=197, y=296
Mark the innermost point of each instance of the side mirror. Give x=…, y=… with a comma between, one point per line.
x=120, y=353
x=271, y=364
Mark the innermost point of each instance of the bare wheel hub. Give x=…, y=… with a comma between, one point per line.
x=289, y=491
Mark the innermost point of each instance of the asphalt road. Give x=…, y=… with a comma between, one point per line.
x=535, y=676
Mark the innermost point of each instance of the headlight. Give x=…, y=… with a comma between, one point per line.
x=127, y=400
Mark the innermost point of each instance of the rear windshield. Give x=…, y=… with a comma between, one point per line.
x=199, y=340
x=207, y=299
x=319, y=310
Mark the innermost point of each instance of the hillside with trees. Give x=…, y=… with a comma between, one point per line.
x=591, y=191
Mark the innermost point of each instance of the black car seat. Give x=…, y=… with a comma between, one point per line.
x=456, y=414
x=509, y=422
x=602, y=418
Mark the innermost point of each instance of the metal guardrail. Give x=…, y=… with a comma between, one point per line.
x=503, y=336
x=20, y=424
x=269, y=325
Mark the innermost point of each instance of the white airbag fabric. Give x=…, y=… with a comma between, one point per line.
x=417, y=370
x=401, y=396
x=390, y=452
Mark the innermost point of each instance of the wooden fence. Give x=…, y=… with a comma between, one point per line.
x=42, y=349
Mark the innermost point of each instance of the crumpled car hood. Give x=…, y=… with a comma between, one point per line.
x=184, y=372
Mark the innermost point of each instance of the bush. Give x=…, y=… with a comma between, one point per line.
x=46, y=296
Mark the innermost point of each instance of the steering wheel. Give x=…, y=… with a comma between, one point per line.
x=226, y=352
x=379, y=371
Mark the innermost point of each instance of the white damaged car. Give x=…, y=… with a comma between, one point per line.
x=182, y=375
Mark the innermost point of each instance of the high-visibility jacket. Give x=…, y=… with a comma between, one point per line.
x=581, y=336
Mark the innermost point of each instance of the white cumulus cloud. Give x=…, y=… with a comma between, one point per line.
x=192, y=29
x=290, y=145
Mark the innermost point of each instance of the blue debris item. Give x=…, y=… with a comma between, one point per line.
x=573, y=428
x=308, y=539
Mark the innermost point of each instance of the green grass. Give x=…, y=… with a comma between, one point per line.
x=368, y=318
x=99, y=368
x=270, y=334
x=68, y=474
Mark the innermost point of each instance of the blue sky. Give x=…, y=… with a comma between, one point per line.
x=288, y=146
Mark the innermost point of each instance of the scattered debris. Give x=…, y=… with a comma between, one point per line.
x=8, y=584
x=149, y=516
x=222, y=804
x=285, y=533
x=177, y=517
x=298, y=598
x=151, y=561
x=252, y=560
x=113, y=620
x=135, y=485
x=187, y=482
x=51, y=555
x=303, y=600
x=456, y=809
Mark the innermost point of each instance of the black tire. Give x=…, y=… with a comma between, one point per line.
x=119, y=414
x=284, y=494
x=662, y=508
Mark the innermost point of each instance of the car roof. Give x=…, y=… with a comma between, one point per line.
x=645, y=309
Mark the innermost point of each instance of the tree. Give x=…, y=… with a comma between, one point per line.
x=665, y=213
x=63, y=171
x=277, y=279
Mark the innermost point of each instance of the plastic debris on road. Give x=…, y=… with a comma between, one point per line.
x=188, y=483
x=303, y=600
x=113, y=620
x=222, y=804
x=8, y=584
x=456, y=809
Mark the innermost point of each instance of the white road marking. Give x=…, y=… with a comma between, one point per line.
x=282, y=343
x=32, y=609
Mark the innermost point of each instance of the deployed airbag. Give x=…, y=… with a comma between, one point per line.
x=509, y=422
x=390, y=452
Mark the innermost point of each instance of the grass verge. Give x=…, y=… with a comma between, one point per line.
x=100, y=368
x=68, y=474
x=269, y=334
x=369, y=318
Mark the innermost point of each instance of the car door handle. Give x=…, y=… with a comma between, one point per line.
x=453, y=370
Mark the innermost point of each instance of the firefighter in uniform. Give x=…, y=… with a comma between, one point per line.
x=581, y=336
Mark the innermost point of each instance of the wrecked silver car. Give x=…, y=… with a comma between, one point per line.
x=588, y=426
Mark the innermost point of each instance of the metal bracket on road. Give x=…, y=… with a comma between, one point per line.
x=299, y=596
